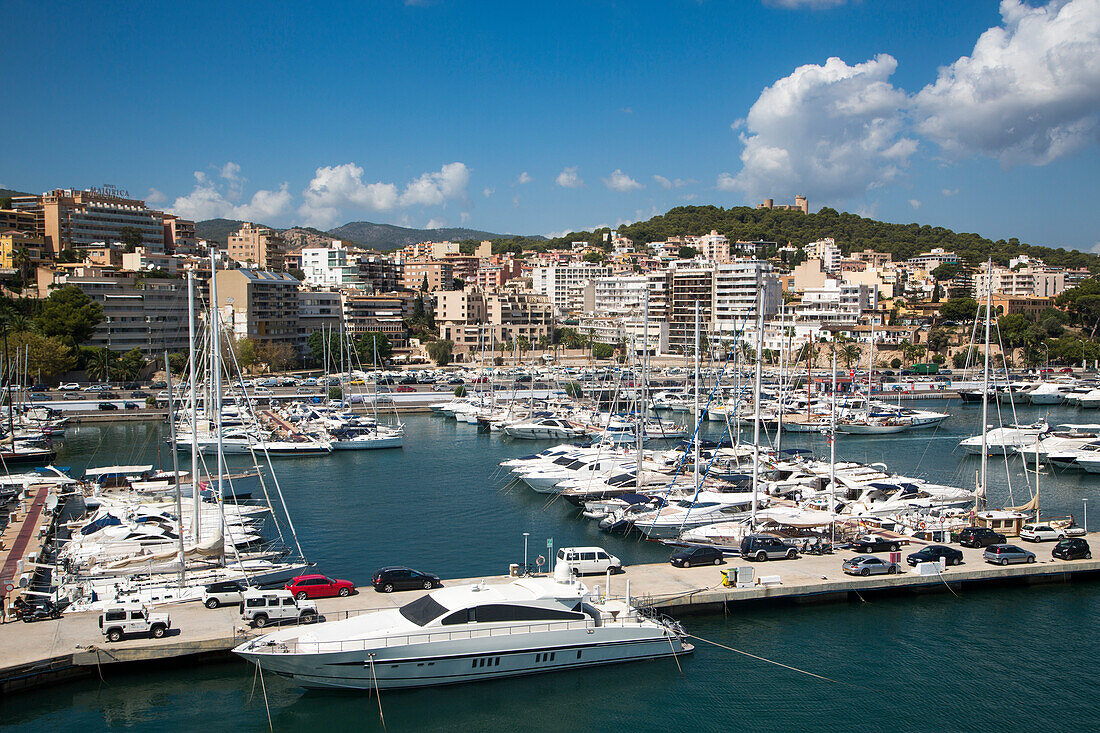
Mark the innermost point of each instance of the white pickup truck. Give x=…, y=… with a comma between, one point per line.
x=133, y=618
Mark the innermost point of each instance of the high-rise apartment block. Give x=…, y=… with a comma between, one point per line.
x=257, y=246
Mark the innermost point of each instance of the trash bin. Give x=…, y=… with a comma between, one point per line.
x=728, y=577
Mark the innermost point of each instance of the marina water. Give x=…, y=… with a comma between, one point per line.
x=1015, y=657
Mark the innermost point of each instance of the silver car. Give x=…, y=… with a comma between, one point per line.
x=869, y=565
x=1007, y=554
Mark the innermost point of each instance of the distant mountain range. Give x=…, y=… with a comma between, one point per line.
x=382, y=237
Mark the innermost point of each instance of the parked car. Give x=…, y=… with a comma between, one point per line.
x=1041, y=533
x=318, y=586
x=980, y=537
x=407, y=380
x=130, y=406
x=106, y=406
x=68, y=387
x=159, y=384
x=262, y=607
x=404, y=388
x=1066, y=370
x=387, y=580
x=1073, y=548
x=691, y=556
x=133, y=618
x=224, y=593
x=96, y=388
x=766, y=547
x=138, y=394
x=868, y=565
x=73, y=396
x=1001, y=554
x=38, y=388
x=933, y=553
x=872, y=543
x=583, y=560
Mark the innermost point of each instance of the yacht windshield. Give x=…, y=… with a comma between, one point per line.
x=423, y=610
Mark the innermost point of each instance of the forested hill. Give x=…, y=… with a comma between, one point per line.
x=851, y=232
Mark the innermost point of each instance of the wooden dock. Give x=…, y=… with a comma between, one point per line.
x=72, y=647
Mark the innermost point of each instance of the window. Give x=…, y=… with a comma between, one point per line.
x=136, y=616
x=254, y=603
x=500, y=612
x=288, y=601
x=116, y=616
x=590, y=556
x=602, y=555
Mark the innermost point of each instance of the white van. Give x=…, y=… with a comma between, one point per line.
x=584, y=560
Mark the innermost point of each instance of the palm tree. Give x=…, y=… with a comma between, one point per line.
x=849, y=353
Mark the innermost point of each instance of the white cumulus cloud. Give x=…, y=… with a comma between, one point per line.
x=667, y=184
x=211, y=200
x=831, y=130
x=914, y=203
x=621, y=182
x=524, y=177
x=1029, y=92
x=950, y=191
x=569, y=178
x=336, y=188
x=489, y=191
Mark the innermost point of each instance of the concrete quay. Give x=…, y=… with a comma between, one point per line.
x=45, y=652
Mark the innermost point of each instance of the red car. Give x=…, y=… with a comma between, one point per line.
x=318, y=586
x=1066, y=370
x=404, y=388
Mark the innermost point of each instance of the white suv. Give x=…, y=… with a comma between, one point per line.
x=133, y=618
x=582, y=560
x=1041, y=533
x=262, y=607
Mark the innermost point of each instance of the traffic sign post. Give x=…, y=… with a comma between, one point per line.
x=550, y=551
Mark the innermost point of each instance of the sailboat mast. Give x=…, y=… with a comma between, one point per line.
x=642, y=403
x=832, y=442
x=782, y=375
x=193, y=378
x=756, y=396
x=175, y=462
x=696, y=403
x=985, y=388
x=216, y=379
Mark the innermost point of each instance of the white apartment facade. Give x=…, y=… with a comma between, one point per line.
x=564, y=285
x=330, y=267
x=826, y=251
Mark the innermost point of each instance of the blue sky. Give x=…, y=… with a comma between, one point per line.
x=544, y=117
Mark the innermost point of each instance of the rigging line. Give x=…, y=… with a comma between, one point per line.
x=377, y=691
x=764, y=659
x=675, y=657
x=267, y=706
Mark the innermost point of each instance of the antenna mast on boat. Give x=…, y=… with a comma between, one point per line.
x=176, y=464
x=756, y=396
x=197, y=500
x=980, y=494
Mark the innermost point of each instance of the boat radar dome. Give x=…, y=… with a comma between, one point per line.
x=562, y=574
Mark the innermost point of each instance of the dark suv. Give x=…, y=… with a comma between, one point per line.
x=980, y=537
x=387, y=580
x=766, y=547
x=696, y=556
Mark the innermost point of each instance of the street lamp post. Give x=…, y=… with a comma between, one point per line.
x=525, y=535
x=1085, y=518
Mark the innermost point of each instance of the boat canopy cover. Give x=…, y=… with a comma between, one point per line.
x=112, y=470
x=795, y=451
x=107, y=520
x=635, y=498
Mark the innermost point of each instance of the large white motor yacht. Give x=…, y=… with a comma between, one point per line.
x=468, y=633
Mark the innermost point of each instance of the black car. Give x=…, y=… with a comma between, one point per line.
x=387, y=580
x=690, y=556
x=139, y=394
x=38, y=388
x=766, y=547
x=980, y=537
x=108, y=395
x=1072, y=548
x=130, y=406
x=933, y=553
x=871, y=543
x=107, y=406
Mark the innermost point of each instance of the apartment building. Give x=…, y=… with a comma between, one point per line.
x=148, y=314
x=473, y=319
x=1033, y=280
x=429, y=250
x=929, y=261
x=71, y=219
x=563, y=284
x=619, y=296
x=630, y=330
x=465, y=267
x=318, y=311
x=689, y=286
x=496, y=271
x=714, y=247
x=259, y=304
x=179, y=235
x=20, y=247
x=142, y=259
x=18, y=220
x=826, y=251
x=330, y=267
x=740, y=287
x=380, y=273
x=836, y=301
x=383, y=313
x=436, y=274
x=257, y=246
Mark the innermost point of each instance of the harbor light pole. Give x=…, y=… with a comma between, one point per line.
x=525, y=536
x=1085, y=518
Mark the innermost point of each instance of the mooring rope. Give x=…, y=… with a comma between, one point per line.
x=763, y=659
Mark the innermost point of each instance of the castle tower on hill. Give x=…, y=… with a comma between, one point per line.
x=801, y=203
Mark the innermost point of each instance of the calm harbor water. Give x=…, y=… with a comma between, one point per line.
x=1000, y=656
